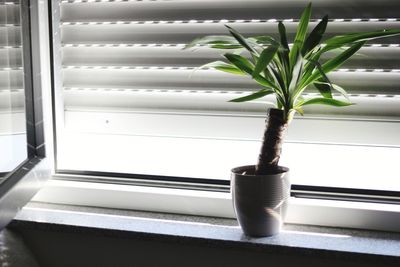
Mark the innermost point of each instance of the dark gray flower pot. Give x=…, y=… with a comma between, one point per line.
x=260, y=201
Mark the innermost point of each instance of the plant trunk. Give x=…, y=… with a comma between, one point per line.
x=271, y=147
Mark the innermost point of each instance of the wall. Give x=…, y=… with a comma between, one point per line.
x=55, y=247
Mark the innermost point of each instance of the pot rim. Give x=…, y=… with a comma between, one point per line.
x=242, y=169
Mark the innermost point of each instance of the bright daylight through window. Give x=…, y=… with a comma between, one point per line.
x=130, y=100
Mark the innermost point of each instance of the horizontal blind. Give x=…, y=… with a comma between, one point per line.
x=126, y=56
x=11, y=70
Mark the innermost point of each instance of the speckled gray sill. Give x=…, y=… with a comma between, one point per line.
x=330, y=242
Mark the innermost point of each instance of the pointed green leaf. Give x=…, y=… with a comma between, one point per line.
x=223, y=66
x=212, y=39
x=341, y=91
x=300, y=34
x=296, y=74
x=246, y=66
x=323, y=84
x=241, y=40
x=325, y=101
x=263, y=40
x=265, y=82
x=282, y=34
x=333, y=63
x=240, y=62
x=324, y=89
x=315, y=36
x=265, y=58
x=227, y=46
x=338, y=41
x=253, y=96
x=337, y=61
x=335, y=87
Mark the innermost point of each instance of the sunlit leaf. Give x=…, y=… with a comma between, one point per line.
x=212, y=40
x=253, y=96
x=324, y=89
x=296, y=75
x=337, y=61
x=334, y=63
x=226, y=46
x=324, y=101
x=246, y=66
x=223, y=66
x=341, y=40
x=265, y=58
x=241, y=39
x=282, y=34
x=300, y=34
x=240, y=62
x=341, y=90
x=314, y=38
x=263, y=40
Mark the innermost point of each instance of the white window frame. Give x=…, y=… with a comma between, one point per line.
x=194, y=202
x=345, y=214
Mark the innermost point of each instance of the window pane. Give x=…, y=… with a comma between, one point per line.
x=13, y=145
x=131, y=100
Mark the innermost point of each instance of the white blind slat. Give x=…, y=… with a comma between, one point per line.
x=361, y=81
x=211, y=9
x=372, y=57
x=161, y=101
x=182, y=32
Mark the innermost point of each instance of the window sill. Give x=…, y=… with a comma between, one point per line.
x=350, y=245
x=331, y=213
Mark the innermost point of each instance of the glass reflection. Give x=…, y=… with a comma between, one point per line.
x=13, y=145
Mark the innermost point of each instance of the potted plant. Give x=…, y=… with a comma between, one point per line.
x=260, y=192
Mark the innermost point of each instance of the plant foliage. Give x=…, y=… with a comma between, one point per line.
x=287, y=71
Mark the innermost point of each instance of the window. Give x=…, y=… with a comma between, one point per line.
x=129, y=106
x=23, y=167
x=12, y=95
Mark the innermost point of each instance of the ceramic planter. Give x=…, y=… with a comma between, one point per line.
x=260, y=201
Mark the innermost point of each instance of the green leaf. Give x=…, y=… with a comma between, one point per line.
x=246, y=66
x=240, y=62
x=300, y=111
x=282, y=34
x=337, y=61
x=263, y=40
x=300, y=35
x=323, y=84
x=227, y=46
x=253, y=96
x=340, y=90
x=223, y=66
x=241, y=40
x=324, y=101
x=340, y=40
x=335, y=87
x=333, y=63
x=296, y=74
x=265, y=58
x=265, y=82
x=315, y=36
x=211, y=40
x=325, y=89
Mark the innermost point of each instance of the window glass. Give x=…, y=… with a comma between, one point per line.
x=130, y=100
x=13, y=144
